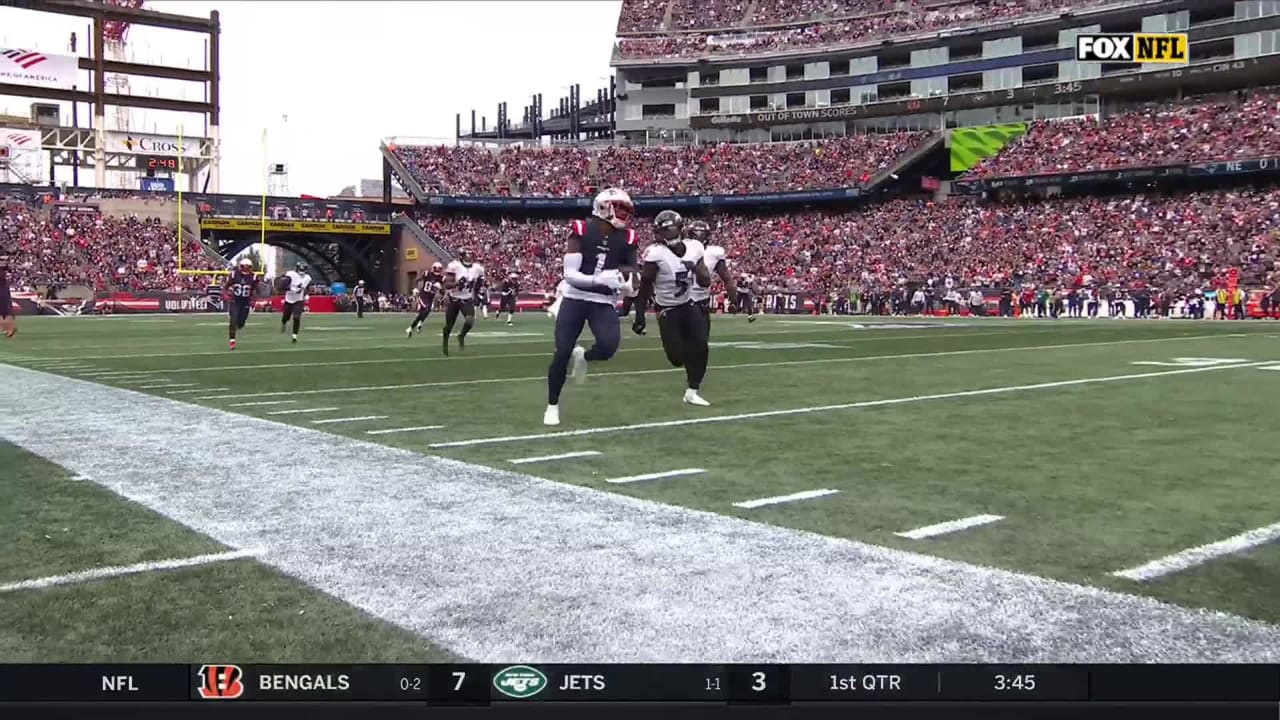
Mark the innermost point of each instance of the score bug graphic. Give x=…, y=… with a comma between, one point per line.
x=220, y=682
x=519, y=681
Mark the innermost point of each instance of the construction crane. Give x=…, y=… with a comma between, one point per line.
x=115, y=35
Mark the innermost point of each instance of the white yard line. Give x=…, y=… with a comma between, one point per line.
x=330, y=421
x=166, y=385
x=655, y=476
x=259, y=404
x=737, y=366
x=944, y=528
x=197, y=390
x=560, y=456
x=780, y=499
x=828, y=408
x=390, y=431
x=302, y=411
x=433, y=535
x=499, y=356
x=120, y=570
x=1201, y=554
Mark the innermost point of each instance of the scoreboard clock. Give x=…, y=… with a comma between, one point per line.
x=157, y=162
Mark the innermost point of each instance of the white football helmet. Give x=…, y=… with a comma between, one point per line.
x=614, y=206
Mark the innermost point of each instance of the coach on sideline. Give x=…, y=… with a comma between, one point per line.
x=8, y=326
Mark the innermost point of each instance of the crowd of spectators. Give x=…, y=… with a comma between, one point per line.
x=660, y=170
x=53, y=248
x=823, y=22
x=1176, y=243
x=1240, y=126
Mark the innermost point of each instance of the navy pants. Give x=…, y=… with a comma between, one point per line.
x=239, y=314
x=573, y=315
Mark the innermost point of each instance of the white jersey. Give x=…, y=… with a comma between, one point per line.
x=675, y=272
x=712, y=256
x=298, y=284
x=467, y=278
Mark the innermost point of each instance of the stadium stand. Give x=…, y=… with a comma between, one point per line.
x=1179, y=243
x=59, y=249
x=1239, y=125
x=661, y=170
x=836, y=22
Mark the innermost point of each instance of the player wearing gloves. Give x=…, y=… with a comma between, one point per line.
x=673, y=265
x=600, y=249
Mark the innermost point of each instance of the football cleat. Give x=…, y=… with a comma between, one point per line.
x=408, y=332
x=579, y=368
x=692, y=397
x=551, y=416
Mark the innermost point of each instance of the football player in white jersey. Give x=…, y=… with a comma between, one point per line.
x=713, y=256
x=295, y=297
x=671, y=266
x=461, y=277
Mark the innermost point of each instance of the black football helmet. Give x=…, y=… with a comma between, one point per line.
x=464, y=256
x=668, y=227
x=699, y=230
x=300, y=267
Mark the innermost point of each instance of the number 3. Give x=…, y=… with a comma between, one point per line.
x=759, y=684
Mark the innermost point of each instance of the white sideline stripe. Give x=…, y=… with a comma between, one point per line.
x=79, y=478
x=166, y=385
x=655, y=476
x=121, y=570
x=330, y=421
x=1201, y=554
x=399, y=330
x=561, y=456
x=302, y=411
x=827, y=408
x=950, y=526
x=388, y=431
x=781, y=363
x=778, y=500
x=188, y=392
x=499, y=356
x=1270, y=367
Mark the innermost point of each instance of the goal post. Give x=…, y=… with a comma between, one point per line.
x=262, y=237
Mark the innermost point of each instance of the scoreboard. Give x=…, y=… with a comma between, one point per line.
x=157, y=163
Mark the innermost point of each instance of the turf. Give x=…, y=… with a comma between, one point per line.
x=1090, y=478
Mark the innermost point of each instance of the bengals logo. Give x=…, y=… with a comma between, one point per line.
x=220, y=682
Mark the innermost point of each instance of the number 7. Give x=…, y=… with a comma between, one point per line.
x=457, y=686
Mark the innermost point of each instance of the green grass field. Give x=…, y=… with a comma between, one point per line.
x=1086, y=458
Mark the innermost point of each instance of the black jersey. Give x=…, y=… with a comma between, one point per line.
x=603, y=247
x=240, y=285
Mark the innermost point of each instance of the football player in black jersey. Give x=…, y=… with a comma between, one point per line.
x=8, y=327
x=238, y=294
x=599, y=250
x=424, y=294
x=507, y=301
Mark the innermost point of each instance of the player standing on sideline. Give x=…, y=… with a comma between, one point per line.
x=460, y=281
x=717, y=264
x=482, y=298
x=238, y=293
x=295, y=297
x=424, y=293
x=747, y=297
x=360, y=299
x=8, y=324
x=507, y=301
x=671, y=265
x=599, y=250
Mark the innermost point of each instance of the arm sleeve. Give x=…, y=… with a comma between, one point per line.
x=573, y=272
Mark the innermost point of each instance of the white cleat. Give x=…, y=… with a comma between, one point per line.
x=693, y=398
x=551, y=416
x=579, y=369
x=408, y=332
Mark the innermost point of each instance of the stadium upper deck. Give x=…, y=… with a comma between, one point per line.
x=916, y=66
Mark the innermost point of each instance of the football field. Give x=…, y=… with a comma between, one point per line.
x=861, y=489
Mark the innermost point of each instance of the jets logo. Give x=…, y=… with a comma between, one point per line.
x=519, y=681
x=220, y=682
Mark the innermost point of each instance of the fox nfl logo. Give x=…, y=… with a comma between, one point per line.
x=1133, y=48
